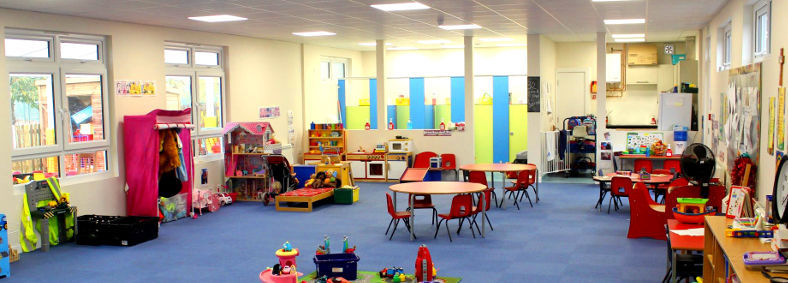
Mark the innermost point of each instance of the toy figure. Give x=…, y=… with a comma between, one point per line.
x=425, y=270
x=326, y=244
x=287, y=247
x=346, y=246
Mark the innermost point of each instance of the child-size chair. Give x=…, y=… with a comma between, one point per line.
x=422, y=159
x=461, y=208
x=525, y=179
x=450, y=164
x=425, y=202
x=619, y=187
x=481, y=178
x=396, y=216
x=478, y=209
x=643, y=164
x=669, y=167
x=646, y=217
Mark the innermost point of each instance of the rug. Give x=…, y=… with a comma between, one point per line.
x=373, y=277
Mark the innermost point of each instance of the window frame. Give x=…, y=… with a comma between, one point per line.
x=761, y=8
x=195, y=71
x=331, y=61
x=726, y=46
x=58, y=68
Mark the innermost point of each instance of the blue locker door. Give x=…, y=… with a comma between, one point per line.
x=500, y=119
x=373, y=104
x=457, y=99
x=341, y=98
x=417, y=109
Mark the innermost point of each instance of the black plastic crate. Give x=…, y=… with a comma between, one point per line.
x=116, y=230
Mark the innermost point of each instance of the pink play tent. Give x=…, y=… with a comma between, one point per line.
x=141, y=148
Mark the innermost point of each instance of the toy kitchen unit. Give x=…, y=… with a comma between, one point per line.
x=398, y=157
x=368, y=166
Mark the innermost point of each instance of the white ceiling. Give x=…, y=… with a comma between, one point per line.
x=354, y=21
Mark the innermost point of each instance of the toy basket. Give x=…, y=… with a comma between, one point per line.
x=335, y=265
x=116, y=230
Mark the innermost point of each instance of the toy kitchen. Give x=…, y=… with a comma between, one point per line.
x=386, y=162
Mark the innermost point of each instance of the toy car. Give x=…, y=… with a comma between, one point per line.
x=224, y=199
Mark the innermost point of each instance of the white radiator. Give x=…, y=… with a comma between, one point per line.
x=551, y=157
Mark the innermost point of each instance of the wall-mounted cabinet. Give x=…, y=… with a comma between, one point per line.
x=642, y=75
x=641, y=54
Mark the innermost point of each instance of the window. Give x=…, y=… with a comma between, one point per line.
x=725, y=47
x=58, y=103
x=762, y=28
x=332, y=68
x=195, y=79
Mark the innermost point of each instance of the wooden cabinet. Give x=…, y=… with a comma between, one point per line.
x=642, y=75
x=330, y=138
x=641, y=54
x=723, y=255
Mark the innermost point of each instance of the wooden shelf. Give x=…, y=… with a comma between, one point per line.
x=326, y=138
x=247, y=177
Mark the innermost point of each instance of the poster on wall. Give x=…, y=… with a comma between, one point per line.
x=135, y=88
x=741, y=120
x=781, y=118
x=770, y=148
x=269, y=112
x=534, y=94
x=122, y=88
x=148, y=88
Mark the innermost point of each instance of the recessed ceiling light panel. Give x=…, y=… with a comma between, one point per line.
x=434, y=41
x=218, y=18
x=629, y=35
x=459, y=27
x=613, y=0
x=495, y=39
x=372, y=43
x=314, y=33
x=510, y=44
x=407, y=6
x=624, y=21
x=629, y=40
x=402, y=48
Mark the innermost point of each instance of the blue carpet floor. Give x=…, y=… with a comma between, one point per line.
x=561, y=239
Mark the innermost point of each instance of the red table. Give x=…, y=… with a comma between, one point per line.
x=682, y=242
x=437, y=188
x=503, y=168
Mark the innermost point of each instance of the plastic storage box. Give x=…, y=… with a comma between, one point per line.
x=345, y=195
x=5, y=263
x=334, y=265
x=116, y=230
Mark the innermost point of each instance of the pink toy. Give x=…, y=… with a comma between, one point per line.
x=267, y=277
x=287, y=255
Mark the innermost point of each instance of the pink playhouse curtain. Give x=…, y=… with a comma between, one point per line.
x=141, y=148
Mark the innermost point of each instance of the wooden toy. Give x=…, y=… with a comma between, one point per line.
x=691, y=205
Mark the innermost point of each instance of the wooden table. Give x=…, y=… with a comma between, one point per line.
x=633, y=157
x=437, y=188
x=654, y=181
x=681, y=242
x=718, y=247
x=503, y=168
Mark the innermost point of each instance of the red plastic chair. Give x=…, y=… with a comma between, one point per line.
x=525, y=179
x=646, y=217
x=422, y=159
x=461, y=208
x=396, y=216
x=450, y=163
x=480, y=177
x=425, y=202
x=716, y=194
x=644, y=164
x=619, y=187
x=478, y=210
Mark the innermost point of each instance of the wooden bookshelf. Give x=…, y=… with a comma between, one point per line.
x=723, y=255
x=331, y=136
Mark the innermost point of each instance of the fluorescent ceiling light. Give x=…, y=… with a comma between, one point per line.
x=629, y=40
x=458, y=27
x=313, y=33
x=402, y=48
x=510, y=44
x=407, y=6
x=625, y=21
x=495, y=39
x=453, y=46
x=372, y=43
x=629, y=35
x=612, y=0
x=434, y=41
x=218, y=18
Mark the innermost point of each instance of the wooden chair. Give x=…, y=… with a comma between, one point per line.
x=396, y=216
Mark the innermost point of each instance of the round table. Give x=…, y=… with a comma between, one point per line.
x=503, y=168
x=655, y=181
x=436, y=188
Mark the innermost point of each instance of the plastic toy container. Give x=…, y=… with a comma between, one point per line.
x=333, y=265
x=755, y=260
x=345, y=195
x=116, y=230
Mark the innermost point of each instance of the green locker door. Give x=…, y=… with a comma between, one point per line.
x=483, y=133
x=518, y=126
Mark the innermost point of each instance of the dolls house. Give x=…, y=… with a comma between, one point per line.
x=247, y=146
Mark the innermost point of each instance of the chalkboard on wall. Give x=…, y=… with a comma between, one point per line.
x=533, y=94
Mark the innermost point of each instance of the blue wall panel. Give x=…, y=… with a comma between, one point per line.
x=391, y=114
x=417, y=102
x=500, y=119
x=373, y=103
x=341, y=97
x=457, y=99
x=429, y=116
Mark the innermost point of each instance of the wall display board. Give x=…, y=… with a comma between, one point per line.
x=636, y=139
x=770, y=147
x=534, y=94
x=740, y=119
x=781, y=118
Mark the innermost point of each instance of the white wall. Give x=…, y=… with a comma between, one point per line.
x=547, y=68
x=449, y=62
x=736, y=11
x=259, y=72
x=321, y=96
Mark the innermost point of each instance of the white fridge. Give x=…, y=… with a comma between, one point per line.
x=675, y=109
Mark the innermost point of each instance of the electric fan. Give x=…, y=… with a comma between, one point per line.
x=697, y=166
x=780, y=193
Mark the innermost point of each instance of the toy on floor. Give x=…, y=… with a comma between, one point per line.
x=284, y=271
x=287, y=255
x=327, y=179
x=425, y=270
x=391, y=272
x=325, y=248
x=346, y=246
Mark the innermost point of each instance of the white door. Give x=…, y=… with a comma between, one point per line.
x=396, y=169
x=358, y=169
x=570, y=95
